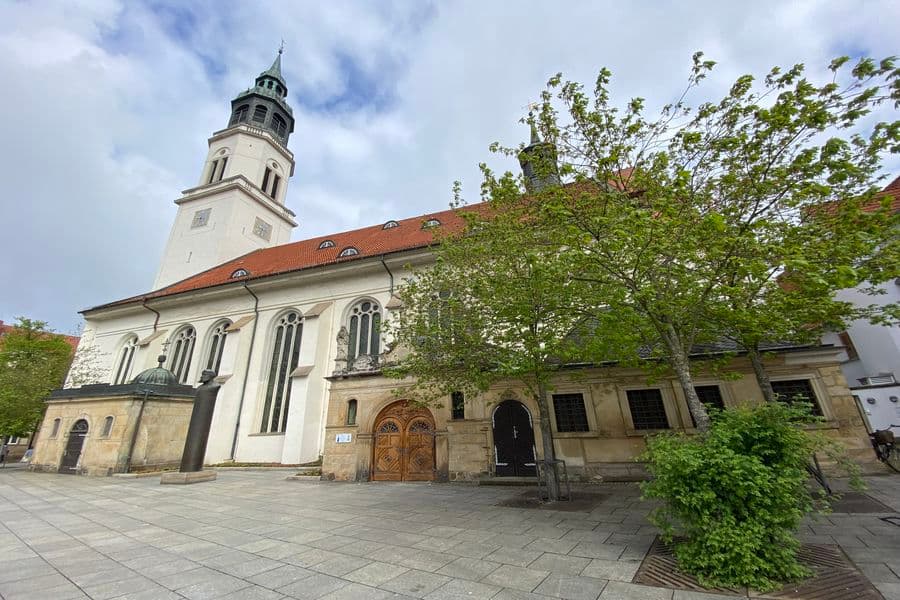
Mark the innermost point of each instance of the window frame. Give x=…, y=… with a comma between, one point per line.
x=219, y=347
x=182, y=373
x=457, y=406
x=128, y=346
x=278, y=381
x=352, y=413
x=372, y=333
x=817, y=388
x=555, y=411
x=108, y=423
x=668, y=405
x=54, y=431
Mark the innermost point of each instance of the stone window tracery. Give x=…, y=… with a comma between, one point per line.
x=216, y=346
x=126, y=358
x=285, y=357
x=364, y=330
x=182, y=352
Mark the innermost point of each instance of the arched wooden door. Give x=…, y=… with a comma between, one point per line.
x=73, y=447
x=404, y=444
x=513, y=440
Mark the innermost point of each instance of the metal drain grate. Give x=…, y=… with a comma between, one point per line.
x=834, y=576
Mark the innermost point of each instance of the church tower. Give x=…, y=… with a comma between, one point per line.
x=238, y=204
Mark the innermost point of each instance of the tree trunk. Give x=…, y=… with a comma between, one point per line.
x=550, y=476
x=762, y=376
x=681, y=364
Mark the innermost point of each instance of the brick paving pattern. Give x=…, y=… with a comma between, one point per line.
x=252, y=535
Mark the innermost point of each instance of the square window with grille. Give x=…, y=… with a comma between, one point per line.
x=647, y=409
x=201, y=218
x=710, y=396
x=570, y=412
x=793, y=390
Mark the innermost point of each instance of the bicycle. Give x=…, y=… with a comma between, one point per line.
x=885, y=449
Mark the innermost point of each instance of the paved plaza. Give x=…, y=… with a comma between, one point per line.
x=252, y=535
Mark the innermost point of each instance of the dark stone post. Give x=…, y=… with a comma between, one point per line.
x=201, y=421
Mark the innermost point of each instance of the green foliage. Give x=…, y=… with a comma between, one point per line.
x=737, y=494
x=33, y=361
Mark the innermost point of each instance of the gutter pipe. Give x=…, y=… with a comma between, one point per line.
x=237, y=424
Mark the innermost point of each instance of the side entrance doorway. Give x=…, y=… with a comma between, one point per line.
x=404, y=444
x=73, y=447
x=514, y=454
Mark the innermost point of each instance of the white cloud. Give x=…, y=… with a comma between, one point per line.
x=108, y=106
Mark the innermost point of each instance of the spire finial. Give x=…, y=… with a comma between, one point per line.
x=281, y=47
x=535, y=137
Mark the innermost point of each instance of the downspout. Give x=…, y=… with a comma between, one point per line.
x=154, y=311
x=134, y=434
x=237, y=423
x=391, y=275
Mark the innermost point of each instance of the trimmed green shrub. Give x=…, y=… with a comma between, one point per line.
x=734, y=496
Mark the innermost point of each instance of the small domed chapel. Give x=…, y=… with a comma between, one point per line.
x=292, y=330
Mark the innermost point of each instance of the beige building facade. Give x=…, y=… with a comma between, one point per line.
x=600, y=419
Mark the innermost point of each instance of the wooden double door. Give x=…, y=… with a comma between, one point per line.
x=404, y=444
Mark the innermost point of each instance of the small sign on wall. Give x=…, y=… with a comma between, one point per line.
x=343, y=438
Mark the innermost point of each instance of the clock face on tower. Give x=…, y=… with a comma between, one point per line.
x=262, y=229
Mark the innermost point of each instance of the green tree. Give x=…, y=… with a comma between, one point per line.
x=495, y=307
x=33, y=361
x=671, y=219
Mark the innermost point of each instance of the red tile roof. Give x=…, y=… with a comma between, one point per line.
x=892, y=189
x=72, y=340
x=370, y=242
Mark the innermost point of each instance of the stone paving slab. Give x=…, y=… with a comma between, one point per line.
x=250, y=535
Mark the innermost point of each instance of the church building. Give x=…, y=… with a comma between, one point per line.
x=292, y=330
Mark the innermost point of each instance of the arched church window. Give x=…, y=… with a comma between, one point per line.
x=279, y=125
x=216, y=346
x=182, y=352
x=349, y=251
x=126, y=357
x=365, y=336
x=259, y=114
x=326, y=244
x=285, y=357
x=240, y=114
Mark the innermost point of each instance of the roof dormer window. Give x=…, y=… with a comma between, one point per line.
x=431, y=223
x=349, y=251
x=391, y=224
x=240, y=273
x=326, y=244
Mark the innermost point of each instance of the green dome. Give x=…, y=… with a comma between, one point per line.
x=156, y=376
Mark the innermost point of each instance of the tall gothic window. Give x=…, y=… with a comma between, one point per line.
x=365, y=336
x=285, y=357
x=126, y=357
x=216, y=345
x=182, y=350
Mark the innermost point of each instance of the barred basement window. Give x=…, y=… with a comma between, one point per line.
x=797, y=390
x=570, y=412
x=182, y=352
x=126, y=356
x=285, y=357
x=216, y=346
x=365, y=318
x=647, y=409
x=458, y=405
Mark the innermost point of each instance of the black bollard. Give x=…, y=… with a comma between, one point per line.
x=201, y=421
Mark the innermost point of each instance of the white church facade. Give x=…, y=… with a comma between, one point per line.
x=291, y=328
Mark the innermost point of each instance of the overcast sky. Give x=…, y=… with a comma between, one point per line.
x=107, y=107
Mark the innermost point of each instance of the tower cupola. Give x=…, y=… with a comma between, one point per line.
x=264, y=105
x=538, y=162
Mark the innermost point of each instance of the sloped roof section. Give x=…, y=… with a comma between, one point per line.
x=372, y=241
